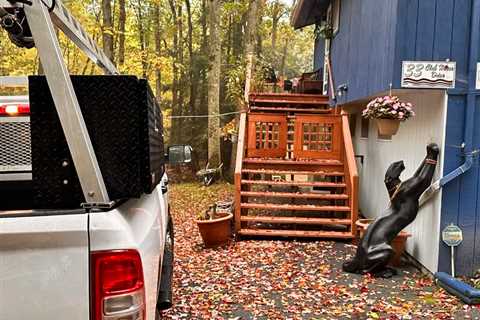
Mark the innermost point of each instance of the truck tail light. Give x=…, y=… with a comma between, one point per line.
x=118, y=290
x=14, y=109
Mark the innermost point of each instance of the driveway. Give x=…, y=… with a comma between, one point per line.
x=287, y=279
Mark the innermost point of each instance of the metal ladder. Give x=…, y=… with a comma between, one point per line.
x=42, y=16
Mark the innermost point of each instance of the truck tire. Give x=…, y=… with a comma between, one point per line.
x=164, y=300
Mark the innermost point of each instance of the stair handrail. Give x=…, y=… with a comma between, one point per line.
x=351, y=170
x=242, y=128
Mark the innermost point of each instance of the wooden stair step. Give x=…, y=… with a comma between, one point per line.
x=290, y=172
x=290, y=109
x=293, y=162
x=289, y=101
x=296, y=220
x=290, y=96
x=282, y=98
x=293, y=207
x=294, y=195
x=295, y=233
x=296, y=183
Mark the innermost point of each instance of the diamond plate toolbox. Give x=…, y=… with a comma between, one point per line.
x=124, y=122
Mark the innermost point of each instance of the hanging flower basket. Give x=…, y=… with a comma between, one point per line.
x=388, y=127
x=389, y=112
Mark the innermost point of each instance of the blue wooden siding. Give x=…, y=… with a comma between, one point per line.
x=433, y=30
x=461, y=197
x=376, y=36
x=363, y=50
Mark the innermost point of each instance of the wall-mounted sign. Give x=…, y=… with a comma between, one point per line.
x=477, y=86
x=452, y=235
x=428, y=74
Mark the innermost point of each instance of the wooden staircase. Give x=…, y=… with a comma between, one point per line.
x=295, y=174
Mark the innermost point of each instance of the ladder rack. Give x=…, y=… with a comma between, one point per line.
x=42, y=17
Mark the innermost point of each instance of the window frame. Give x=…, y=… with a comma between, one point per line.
x=364, y=122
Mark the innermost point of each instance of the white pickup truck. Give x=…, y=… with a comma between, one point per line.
x=79, y=264
x=89, y=263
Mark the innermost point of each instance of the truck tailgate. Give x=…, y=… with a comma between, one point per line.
x=44, y=267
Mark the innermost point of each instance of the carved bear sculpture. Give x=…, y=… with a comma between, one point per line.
x=374, y=250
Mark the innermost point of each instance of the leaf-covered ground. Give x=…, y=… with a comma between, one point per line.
x=265, y=279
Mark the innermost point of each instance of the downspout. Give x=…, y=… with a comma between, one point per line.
x=467, y=145
x=437, y=185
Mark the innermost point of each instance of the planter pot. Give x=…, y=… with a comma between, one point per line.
x=215, y=232
x=398, y=244
x=388, y=127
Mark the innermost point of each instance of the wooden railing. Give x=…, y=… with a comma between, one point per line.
x=351, y=172
x=238, y=168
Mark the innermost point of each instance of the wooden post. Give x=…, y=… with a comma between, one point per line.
x=238, y=170
x=351, y=172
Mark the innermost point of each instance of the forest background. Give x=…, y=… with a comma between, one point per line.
x=194, y=53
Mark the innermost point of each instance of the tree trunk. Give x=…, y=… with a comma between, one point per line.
x=238, y=37
x=249, y=44
x=174, y=54
x=122, y=18
x=258, y=44
x=158, y=51
x=284, y=58
x=275, y=19
x=214, y=60
x=251, y=27
x=142, y=39
x=107, y=29
x=191, y=78
x=181, y=85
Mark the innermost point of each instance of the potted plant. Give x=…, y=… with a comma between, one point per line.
x=215, y=224
x=398, y=244
x=389, y=112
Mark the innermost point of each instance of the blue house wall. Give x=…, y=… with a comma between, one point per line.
x=374, y=38
x=363, y=50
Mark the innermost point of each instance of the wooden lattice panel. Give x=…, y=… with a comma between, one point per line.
x=317, y=137
x=267, y=135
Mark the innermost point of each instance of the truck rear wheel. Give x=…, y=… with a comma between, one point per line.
x=164, y=300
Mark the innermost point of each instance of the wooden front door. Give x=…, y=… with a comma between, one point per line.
x=317, y=137
x=267, y=135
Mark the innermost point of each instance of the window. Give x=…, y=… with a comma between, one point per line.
x=365, y=127
x=353, y=123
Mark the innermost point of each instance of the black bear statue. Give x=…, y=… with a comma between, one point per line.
x=374, y=250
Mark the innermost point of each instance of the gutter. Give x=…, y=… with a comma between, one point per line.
x=468, y=134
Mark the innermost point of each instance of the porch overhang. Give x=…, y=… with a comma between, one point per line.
x=307, y=12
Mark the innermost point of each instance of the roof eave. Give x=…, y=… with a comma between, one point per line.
x=307, y=12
